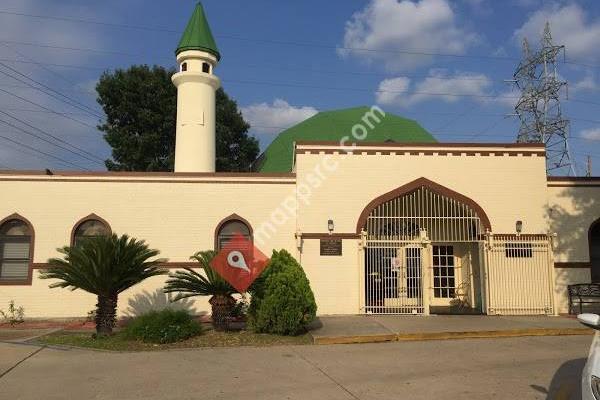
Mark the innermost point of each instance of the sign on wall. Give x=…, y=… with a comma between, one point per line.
x=331, y=247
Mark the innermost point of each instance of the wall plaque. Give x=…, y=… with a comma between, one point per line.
x=331, y=247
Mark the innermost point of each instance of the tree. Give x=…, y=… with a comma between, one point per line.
x=104, y=266
x=140, y=104
x=189, y=283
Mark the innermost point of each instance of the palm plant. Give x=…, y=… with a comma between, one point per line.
x=189, y=283
x=104, y=266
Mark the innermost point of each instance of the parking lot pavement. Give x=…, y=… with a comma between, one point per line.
x=523, y=368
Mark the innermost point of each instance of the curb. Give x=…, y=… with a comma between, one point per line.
x=392, y=337
x=423, y=336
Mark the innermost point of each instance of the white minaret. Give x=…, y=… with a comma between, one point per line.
x=197, y=57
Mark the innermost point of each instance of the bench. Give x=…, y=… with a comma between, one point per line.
x=583, y=293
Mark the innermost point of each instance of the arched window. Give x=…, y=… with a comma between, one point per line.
x=230, y=227
x=89, y=227
x=16, y=250
x=206, y=68
x=594, y=242
x=183, y=67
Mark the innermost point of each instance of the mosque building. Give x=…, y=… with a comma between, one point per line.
x=382, y=217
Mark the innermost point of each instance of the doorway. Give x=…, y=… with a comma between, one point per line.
x=594, y=241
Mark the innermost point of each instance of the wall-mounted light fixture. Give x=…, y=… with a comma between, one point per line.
x=519, y=227
x=330, y=226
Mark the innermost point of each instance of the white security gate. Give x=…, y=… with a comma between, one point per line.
x=394, y=277
x=397, y=256
x=520, y=275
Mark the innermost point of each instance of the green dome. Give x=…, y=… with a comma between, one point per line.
x=333, y=126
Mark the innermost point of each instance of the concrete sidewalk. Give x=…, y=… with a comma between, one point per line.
x=387, y=328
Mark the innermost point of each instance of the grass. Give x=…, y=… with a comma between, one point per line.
x=210, y=338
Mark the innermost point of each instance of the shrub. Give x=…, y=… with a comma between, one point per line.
x=282, y=300
x=14, y=315
x=165, y=326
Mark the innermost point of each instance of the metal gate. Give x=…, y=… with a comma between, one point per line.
x=396, y=247
x=394, y=277
x=520, y=276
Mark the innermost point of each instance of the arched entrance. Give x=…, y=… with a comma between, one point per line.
x=422, y=251
x=594, y=242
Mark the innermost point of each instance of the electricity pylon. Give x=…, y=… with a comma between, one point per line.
x=538, y=108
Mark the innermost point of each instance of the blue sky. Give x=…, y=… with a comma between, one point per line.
x=283, y=61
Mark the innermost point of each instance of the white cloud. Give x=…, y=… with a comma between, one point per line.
x=588, y=83
x=437, y=86
x=61, y=34
x=388, y=27
x=393, y=90
x=590, y=134
x=507, y=98
x=570, y=25
x=273, y=118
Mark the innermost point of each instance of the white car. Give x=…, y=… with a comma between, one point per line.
x=590, y=377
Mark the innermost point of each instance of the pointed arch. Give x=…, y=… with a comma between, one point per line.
x=232, y=218
x=594, y=249
x=411, y=187
x=90, y=217
x=18, y=217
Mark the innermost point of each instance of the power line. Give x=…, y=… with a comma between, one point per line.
x=70, y=81
x=46, y=108
x=82, y=153
x=42, y=152
x=384, y=91
x=39, y=111
x=17, y=86
x=26, y=152
x=12, y=60
x=309, y=86
x=89, y=21
x=288, y=68
x=415, y=52
x=58, y=47
x=64, y=98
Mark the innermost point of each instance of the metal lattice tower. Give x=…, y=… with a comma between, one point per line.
x=538, y=108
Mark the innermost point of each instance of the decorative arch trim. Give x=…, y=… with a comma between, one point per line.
x=31, y=249
x=90, y=217
x=411, y=187
x=232, y=217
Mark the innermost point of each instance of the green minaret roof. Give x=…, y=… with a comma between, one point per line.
x=197, y=35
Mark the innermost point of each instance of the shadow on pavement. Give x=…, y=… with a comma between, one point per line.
x=566, y=382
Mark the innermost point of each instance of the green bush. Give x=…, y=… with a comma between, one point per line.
x=282, y=300
x=165, y=326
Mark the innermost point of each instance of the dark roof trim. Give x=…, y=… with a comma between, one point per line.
x=592, y=179
x=430, y=144
x=118, y=174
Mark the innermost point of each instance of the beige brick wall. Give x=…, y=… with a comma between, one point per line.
x=571, y=210
x=507, y=188
x=178, y=215
x=335, y=280
x=175, y=217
